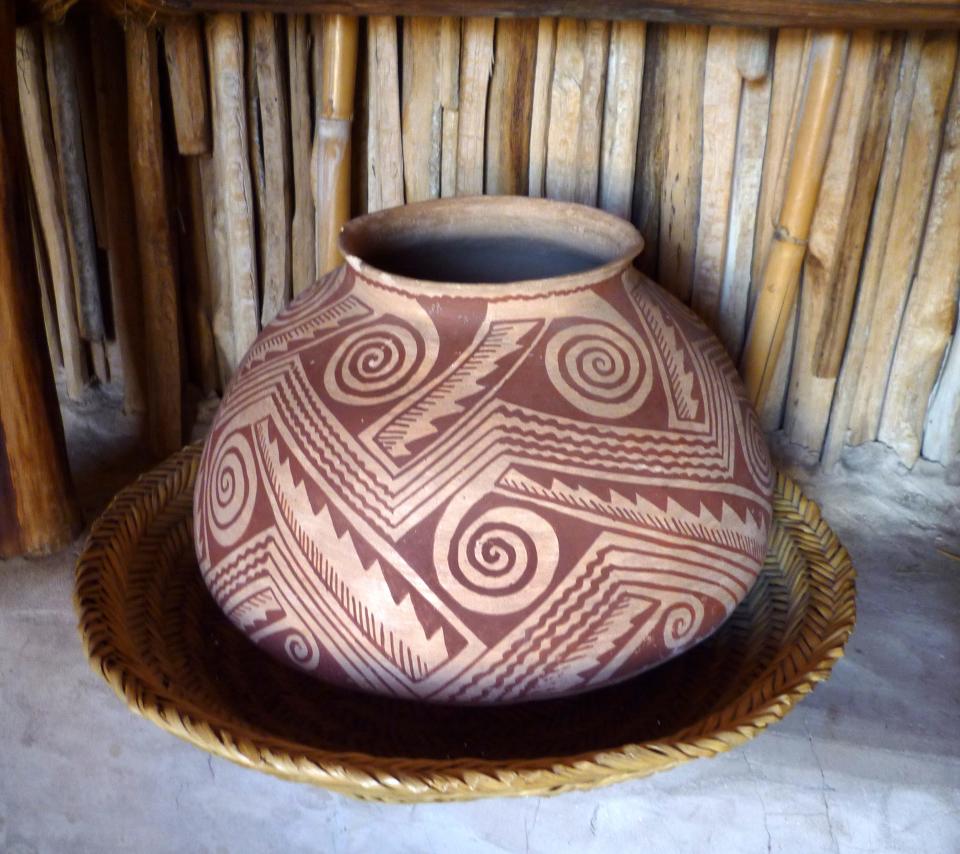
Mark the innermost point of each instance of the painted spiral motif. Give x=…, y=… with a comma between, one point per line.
x=599, y=370
x=233, y=489
x=374, y=364
x=301, y=650
x=682, y=622
x=500, y=562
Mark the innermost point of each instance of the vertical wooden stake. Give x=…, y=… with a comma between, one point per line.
x=621, y=116
x=234, y=187
x=540, y=108
x=303, y=260
x=420, y=98
x=449, y=103
x=126, y=291
x=183, y=46
x=476, y=61
x=385, y=179
x=37, y=510
x=510, y=103
x=156, y=242
x=778, y=296
x=43, y=172
x=332, y=147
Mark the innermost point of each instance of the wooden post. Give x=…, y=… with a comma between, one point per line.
x=302, y=261
x=332, y=144
x=384, y=141
x=476, y=60
x=43, y=172
x=621, y=116
x=449, y=103
x=777, y=298
x=183, y=47
x=420, y=100
x=122, y=253
x=37, y=509
x=156, y=242
x=508, y=110
x=540, y=108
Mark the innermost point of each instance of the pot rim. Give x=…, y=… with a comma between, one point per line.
x=582, y=225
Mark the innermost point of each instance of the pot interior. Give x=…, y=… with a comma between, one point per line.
x=489, y=240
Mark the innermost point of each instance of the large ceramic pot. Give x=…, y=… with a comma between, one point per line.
x=485, y=460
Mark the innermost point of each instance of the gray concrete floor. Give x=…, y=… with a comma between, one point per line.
x=869, y=763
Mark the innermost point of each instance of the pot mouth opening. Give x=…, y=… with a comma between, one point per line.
x=489, y=242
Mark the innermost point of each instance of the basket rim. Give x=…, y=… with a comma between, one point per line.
x=769, y=697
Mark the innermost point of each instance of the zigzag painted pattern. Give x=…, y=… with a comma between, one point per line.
x=535, y=498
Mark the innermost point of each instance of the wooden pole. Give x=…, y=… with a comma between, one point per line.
x=67, y=128
x=449, y=103
x=155, y=240
x=37, y=509
x=576, y=103
x=43, y=172
x=126, y=292
x=540, y=108
x=648, y=176
x=931, y=312
x=183, y=47
x=420, y=107
x=384, y=143
x=303, y=264
x=274, y=124
x=777, y=297
x=476, y=61
x=235, y=199
x=621, y=116
x=881, y=216
x=332, y=145
x=509, y=105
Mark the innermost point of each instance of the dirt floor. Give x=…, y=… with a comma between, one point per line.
x=870, y=762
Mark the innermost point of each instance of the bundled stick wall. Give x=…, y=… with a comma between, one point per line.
x=792, y=186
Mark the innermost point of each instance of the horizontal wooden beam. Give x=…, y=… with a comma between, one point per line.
x=879, y=14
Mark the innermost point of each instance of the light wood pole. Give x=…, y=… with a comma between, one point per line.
x=781, y=276
x=37, y=509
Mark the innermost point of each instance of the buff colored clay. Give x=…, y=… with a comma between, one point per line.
x=483, y=461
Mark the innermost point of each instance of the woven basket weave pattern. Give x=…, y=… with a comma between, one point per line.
x=151, y=629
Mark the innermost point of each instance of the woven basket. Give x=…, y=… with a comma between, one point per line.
x=150, y=627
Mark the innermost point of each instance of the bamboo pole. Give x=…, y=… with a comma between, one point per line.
x=67, y=130
x=509, y=107
x=43, y=172
x=449, y=104
x=686, y=50
x=274, y=121
x=123, y=264
x=778, y=295
x=476, y=60
x=869, y=276
x=789, y=70
x=621, y=116
x=648, y=176
x=234, y=187
x=540, y=106
x=156, y=242
x=576, y=104
x=420, y=108
x=37, y=509
x=302, y=260
x=183, y=47
x=921, y=148
x=385, y=180
x=931, y=312
x=809, y=397
x=753, y=65
x=332, y=147
x=721, y=109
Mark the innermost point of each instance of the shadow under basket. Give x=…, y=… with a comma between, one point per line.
x=152, y=630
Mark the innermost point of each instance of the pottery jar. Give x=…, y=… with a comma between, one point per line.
x=485, y=460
